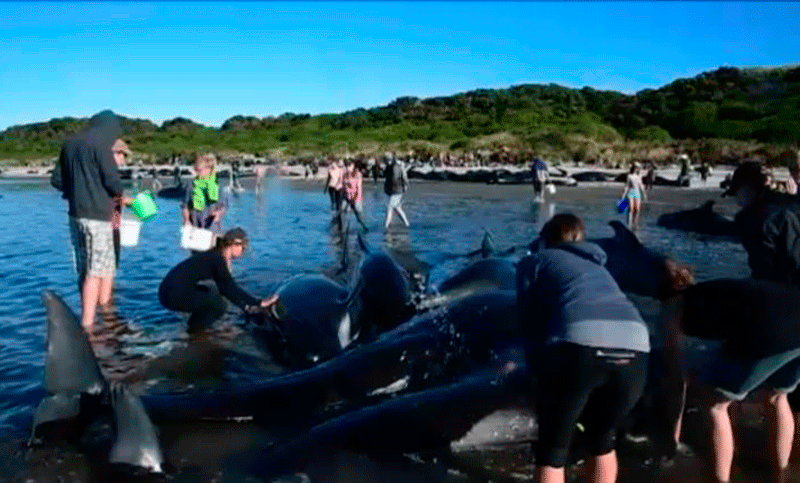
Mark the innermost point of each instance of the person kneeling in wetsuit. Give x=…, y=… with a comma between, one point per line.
x=587, y=344
x=198, y=284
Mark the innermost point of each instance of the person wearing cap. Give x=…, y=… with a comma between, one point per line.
x=768, y=225
x=89, y=180
x=121, y=153
x=198, y=284
x=794, y=172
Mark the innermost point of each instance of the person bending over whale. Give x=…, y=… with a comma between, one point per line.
x=758, y=323
x=589, y=342
x=188, y=286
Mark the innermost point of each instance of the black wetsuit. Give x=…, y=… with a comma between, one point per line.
x=186, y=289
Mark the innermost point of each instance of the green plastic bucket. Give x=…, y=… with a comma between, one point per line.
x=143, y=206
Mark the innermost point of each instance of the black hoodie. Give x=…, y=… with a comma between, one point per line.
x=86, y=172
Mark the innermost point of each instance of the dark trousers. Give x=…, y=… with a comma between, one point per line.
x=204, y=302
x=336, y=198
x=597, y=387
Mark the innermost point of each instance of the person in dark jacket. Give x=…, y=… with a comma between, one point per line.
x=198, y=284
x=758, y=325
x=89, y=179
x=395, y=185
x=586, y=342
x=769, y=225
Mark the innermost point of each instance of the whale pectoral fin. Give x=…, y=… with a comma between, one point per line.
x=54, y=408
x=136, y=443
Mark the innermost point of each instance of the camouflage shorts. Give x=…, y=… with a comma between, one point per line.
x=93, y=247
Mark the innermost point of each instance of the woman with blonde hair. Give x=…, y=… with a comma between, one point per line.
x=204, y=204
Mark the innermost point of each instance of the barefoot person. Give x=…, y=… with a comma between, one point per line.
x=395, y=185
x=589, y=344
x=539, y=178
x=89, y=179
x=353, y=180
x=758, y=324
x=635, y=193
x=198, y=284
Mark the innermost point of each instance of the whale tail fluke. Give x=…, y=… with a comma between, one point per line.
x=136, y=443
x=70, y=365
x=70, y=370
x=78, y=392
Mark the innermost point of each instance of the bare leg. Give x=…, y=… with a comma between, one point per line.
x=780, y=430
x=388, y=217
x=402, y=215
x=721, y=440
x=549, y=474
x=106, y=287
x=89, y=298
x=602, y=468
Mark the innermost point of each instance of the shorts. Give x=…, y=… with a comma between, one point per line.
x=736, y=378
x=394, y=200
x=93, y=248
x=597, y=387
x=633, y=194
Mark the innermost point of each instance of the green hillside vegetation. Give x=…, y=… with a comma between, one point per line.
x=718, y=116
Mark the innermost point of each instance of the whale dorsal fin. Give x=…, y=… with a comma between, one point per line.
x=487, y=245
x=623, y=233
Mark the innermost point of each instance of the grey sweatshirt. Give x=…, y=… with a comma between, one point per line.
x=566, y=295
x=86, y=172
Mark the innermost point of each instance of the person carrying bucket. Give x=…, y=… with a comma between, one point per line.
x=89, y=179
x=634, y=192
x=198, y=284
x=204, y=204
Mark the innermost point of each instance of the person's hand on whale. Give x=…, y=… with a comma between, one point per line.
x=269, y=301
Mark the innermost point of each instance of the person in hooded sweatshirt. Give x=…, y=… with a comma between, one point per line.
x=586, y=342
x=88, y=177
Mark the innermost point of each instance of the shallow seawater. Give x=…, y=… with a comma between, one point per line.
x=290, y=230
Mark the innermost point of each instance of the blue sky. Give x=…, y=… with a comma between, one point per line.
x=209, y=61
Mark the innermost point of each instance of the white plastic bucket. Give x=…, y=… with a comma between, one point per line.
x=197, y=239
x=551, y=188
x=129, y=232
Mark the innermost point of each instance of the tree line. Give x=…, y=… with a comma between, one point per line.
x=727, y=107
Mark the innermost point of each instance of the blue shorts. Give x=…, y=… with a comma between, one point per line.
x=735, y=379
x=633, y=194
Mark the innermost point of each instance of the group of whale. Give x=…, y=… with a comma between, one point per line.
x=366, y=366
